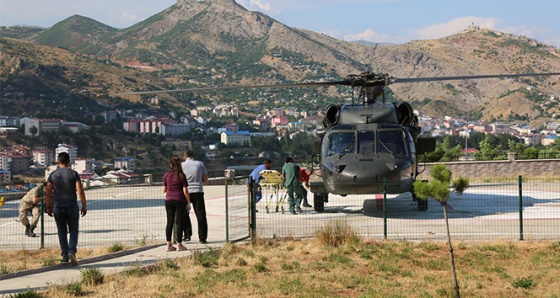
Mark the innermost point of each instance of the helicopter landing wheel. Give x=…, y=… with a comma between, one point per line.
x=422, y=204
x=319, y=202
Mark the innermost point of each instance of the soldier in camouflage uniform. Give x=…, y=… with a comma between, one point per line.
x=30, y=203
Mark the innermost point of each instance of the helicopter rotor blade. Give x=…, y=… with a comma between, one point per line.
x=309, y=84
x=367, y=79
x=451, y=78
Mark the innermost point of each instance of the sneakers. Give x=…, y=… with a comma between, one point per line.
x=170, y=248
x=180, y=247
x=293, y=213
x=306, y=205
x=73, y=259
x=299, y=209
x=203, y=242
x=64, y=261
x=186, y=238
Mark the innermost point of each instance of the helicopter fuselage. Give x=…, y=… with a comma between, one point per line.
x=367, y=149
x=362, y=165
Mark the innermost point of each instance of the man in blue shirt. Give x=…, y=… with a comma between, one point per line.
x=255, y=177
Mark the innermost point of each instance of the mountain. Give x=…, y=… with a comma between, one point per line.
x=218, y=42
x=76, y=33
x=20, y=32
x=217, y=33
x=53, y=82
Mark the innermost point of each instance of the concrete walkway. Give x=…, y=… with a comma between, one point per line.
x=41, y=278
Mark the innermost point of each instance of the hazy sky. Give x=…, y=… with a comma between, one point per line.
x=395, y=21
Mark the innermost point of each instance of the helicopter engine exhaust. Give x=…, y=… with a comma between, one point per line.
x=405, y=114
x=331, y=116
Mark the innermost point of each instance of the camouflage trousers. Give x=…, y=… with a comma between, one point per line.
x=24, y=209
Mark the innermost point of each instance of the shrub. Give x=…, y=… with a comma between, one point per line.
x=116, y=247
x=336, y=234
x=523, y=282
x=92, y=276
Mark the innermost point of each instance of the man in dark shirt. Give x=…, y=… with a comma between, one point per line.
x=62, y=201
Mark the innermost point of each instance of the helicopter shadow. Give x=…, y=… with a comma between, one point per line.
x=468, y=205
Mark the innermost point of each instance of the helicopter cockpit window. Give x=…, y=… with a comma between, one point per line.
x=391, y=141
x=366, y=142
x=341, y=142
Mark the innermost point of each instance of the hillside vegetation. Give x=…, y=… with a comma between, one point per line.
x=218, y=42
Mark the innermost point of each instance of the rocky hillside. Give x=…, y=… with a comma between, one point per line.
x=218, y=42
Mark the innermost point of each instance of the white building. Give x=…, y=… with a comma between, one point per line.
x=235, y=138
x=43, y=157
x=71, y=150
x=4, y=161
x=83, y=165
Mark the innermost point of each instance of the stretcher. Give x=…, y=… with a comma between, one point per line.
x=273, y=184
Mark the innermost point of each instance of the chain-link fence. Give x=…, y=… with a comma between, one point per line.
x=135, y=214
x=487, y=210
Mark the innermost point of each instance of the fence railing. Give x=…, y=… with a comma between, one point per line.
x=488, y=210
x=486, y=157
x=507, y=209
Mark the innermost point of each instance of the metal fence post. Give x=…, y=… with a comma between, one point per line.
x=385, y=208
x=520, y=207
x=227, y=209
x=252, y=210
x=42, y=212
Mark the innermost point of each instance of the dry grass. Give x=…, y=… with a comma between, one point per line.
x=312, y=268
x=12, y=261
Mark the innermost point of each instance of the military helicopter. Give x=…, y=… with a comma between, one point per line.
x=369, y=146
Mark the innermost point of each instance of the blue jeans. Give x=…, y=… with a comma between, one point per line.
x=67, y=220
x=258, y=192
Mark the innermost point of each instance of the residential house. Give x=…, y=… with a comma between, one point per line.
x=125, y=163
x=120, y=177
x=279, y=120
x=5, y=176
